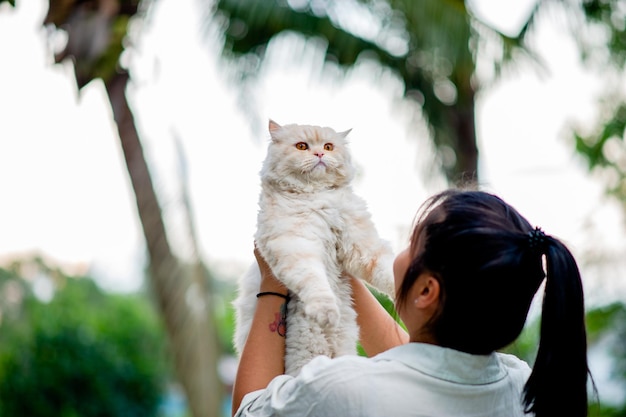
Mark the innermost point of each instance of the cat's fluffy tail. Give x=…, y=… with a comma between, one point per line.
x=245, y=305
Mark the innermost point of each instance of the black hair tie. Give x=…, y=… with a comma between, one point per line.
x=537, y=240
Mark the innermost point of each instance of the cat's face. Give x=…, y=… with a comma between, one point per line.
x=308, y=154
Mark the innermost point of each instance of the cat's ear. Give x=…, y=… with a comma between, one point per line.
x=344, y=134
x=273, y=126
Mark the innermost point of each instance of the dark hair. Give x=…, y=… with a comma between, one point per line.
x=488, y=260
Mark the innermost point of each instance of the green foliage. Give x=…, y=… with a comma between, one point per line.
x=605, y=149
x=225, y=326
x=525, y=346
x=388, y=305
x=429, y=44
x=602, y=321
x=85, y=353
x=610, y=15
x=107, y=64
x=606, y=411
x=11, y=2
x=611, y=318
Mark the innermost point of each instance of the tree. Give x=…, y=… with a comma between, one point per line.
x=603, y=146
x=83, y=353
x=97, y=31
x=430, y=44
x=607, y=325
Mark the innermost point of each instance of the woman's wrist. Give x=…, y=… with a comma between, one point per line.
x=280, y=294
x=273, y=307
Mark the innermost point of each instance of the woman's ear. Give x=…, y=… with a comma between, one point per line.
x=426, y=292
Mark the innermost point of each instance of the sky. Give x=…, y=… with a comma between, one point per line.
x=66, y=194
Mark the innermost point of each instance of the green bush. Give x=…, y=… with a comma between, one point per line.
x=83, y=354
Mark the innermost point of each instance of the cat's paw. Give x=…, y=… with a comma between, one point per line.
x=388, y=287
x=382, y=277
x=324, y=311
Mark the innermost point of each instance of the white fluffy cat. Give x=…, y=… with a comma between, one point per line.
x=310, y=228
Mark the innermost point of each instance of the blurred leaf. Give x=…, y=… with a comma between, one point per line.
x=95, y=35
x=605, y=150
x=432, y=49
x=85, y=353
x=605, y=319
x=608, y=324
x=525, y=346
x=389, y=306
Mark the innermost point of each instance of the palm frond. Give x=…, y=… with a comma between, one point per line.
x=430, y=44
x=251, y=24
x=87, y=26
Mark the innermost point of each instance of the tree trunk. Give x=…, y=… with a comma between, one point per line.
x=180, y=297
x=461, y=117
x=466, y=147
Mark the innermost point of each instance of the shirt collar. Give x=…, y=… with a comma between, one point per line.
x=447, y=364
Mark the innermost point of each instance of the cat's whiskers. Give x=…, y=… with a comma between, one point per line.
x=310, y=164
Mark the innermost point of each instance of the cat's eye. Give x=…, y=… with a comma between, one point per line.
x=328, y=146
x=302, y=146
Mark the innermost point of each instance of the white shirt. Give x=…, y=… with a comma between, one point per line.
x=415, y=379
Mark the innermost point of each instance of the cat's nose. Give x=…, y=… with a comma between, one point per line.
x=318, y=154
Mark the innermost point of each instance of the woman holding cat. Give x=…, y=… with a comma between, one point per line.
x=463, y=291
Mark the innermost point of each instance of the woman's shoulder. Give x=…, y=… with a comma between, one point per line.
x=512, y=361
x=514, y=365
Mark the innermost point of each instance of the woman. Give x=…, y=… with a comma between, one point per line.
x=464, y=288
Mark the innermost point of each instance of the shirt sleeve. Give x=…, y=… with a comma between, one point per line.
x=304, y=395
x=269, y=401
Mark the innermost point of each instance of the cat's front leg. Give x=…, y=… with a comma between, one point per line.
x=309, y=283
x=320, y=305
x=301, y=265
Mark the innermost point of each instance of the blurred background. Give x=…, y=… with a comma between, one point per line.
x=132, y=134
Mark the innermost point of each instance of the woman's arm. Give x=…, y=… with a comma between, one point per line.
x=378, y=330
x=263, y=356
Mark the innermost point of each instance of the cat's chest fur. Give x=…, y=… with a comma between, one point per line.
x=322, y=208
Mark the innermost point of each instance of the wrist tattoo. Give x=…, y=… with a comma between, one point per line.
x=279, y=325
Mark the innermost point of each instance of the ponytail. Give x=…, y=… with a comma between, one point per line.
x=557, y=385
x=488, y=261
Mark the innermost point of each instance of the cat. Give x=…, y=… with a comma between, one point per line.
x=311, y=227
